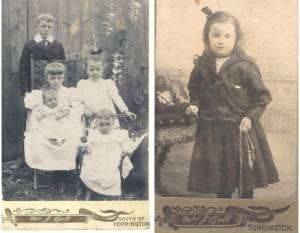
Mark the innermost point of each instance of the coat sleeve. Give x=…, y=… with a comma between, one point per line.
x=193, y=89
x=259, y=95
x=62, y=52
x=24, y=69
x=116, y=98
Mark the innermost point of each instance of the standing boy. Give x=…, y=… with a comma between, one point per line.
x=42, y=47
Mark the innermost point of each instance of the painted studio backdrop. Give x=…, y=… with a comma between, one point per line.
x=120, y=28
x=269, y=34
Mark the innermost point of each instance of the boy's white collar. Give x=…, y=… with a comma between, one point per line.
x=37, y=38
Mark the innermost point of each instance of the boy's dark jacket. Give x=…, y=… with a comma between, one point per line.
x=53, y=51
x=235, y=92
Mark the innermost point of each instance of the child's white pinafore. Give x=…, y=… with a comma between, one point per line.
x=40, y=153
x=101, y=167
x=101, y=94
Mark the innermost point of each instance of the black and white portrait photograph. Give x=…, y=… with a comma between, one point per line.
x=74, y=100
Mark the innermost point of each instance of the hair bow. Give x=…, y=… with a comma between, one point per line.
x=96, y=51
x=208, y=12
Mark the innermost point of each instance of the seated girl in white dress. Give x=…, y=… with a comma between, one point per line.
x=106, y=159
x=99, y=93
x=54, y=126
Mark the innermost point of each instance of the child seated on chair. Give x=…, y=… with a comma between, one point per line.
x=54, y=124
x=106, y=160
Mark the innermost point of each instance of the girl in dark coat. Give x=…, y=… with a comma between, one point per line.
x=228, y=97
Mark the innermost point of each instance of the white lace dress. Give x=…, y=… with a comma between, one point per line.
x=52, y=144
x=101, y=94
x=103, y=167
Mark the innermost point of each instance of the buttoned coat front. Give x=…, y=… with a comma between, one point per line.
x=38, y=51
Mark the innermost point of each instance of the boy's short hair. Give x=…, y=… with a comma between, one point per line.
x=55, y=68
x=44, y=16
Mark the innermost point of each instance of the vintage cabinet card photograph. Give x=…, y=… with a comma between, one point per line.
x=75, y=114
x=226, y=116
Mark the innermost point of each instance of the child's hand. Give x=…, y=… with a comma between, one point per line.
x=83, y=146
x=245, y=125
x=40, y=116
x=86, y=147
x=192, y=110
x=87, y=111
x=62, y=114
x=126, y=148
x=58, y=116
x=130, y=114
x=60, y=109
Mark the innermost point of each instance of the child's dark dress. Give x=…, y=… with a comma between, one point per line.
x=223, y=99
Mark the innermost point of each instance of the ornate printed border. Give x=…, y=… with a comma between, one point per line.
x=46, y=215
x=216, y=217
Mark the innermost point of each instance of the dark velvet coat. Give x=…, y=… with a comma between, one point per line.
x=223, y=99
x=53, y=51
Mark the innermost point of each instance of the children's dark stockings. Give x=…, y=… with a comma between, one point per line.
x=247, y=194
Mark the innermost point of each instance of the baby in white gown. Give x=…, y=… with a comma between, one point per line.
x=107, y=158
x=54, y=129
x=52, y=118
